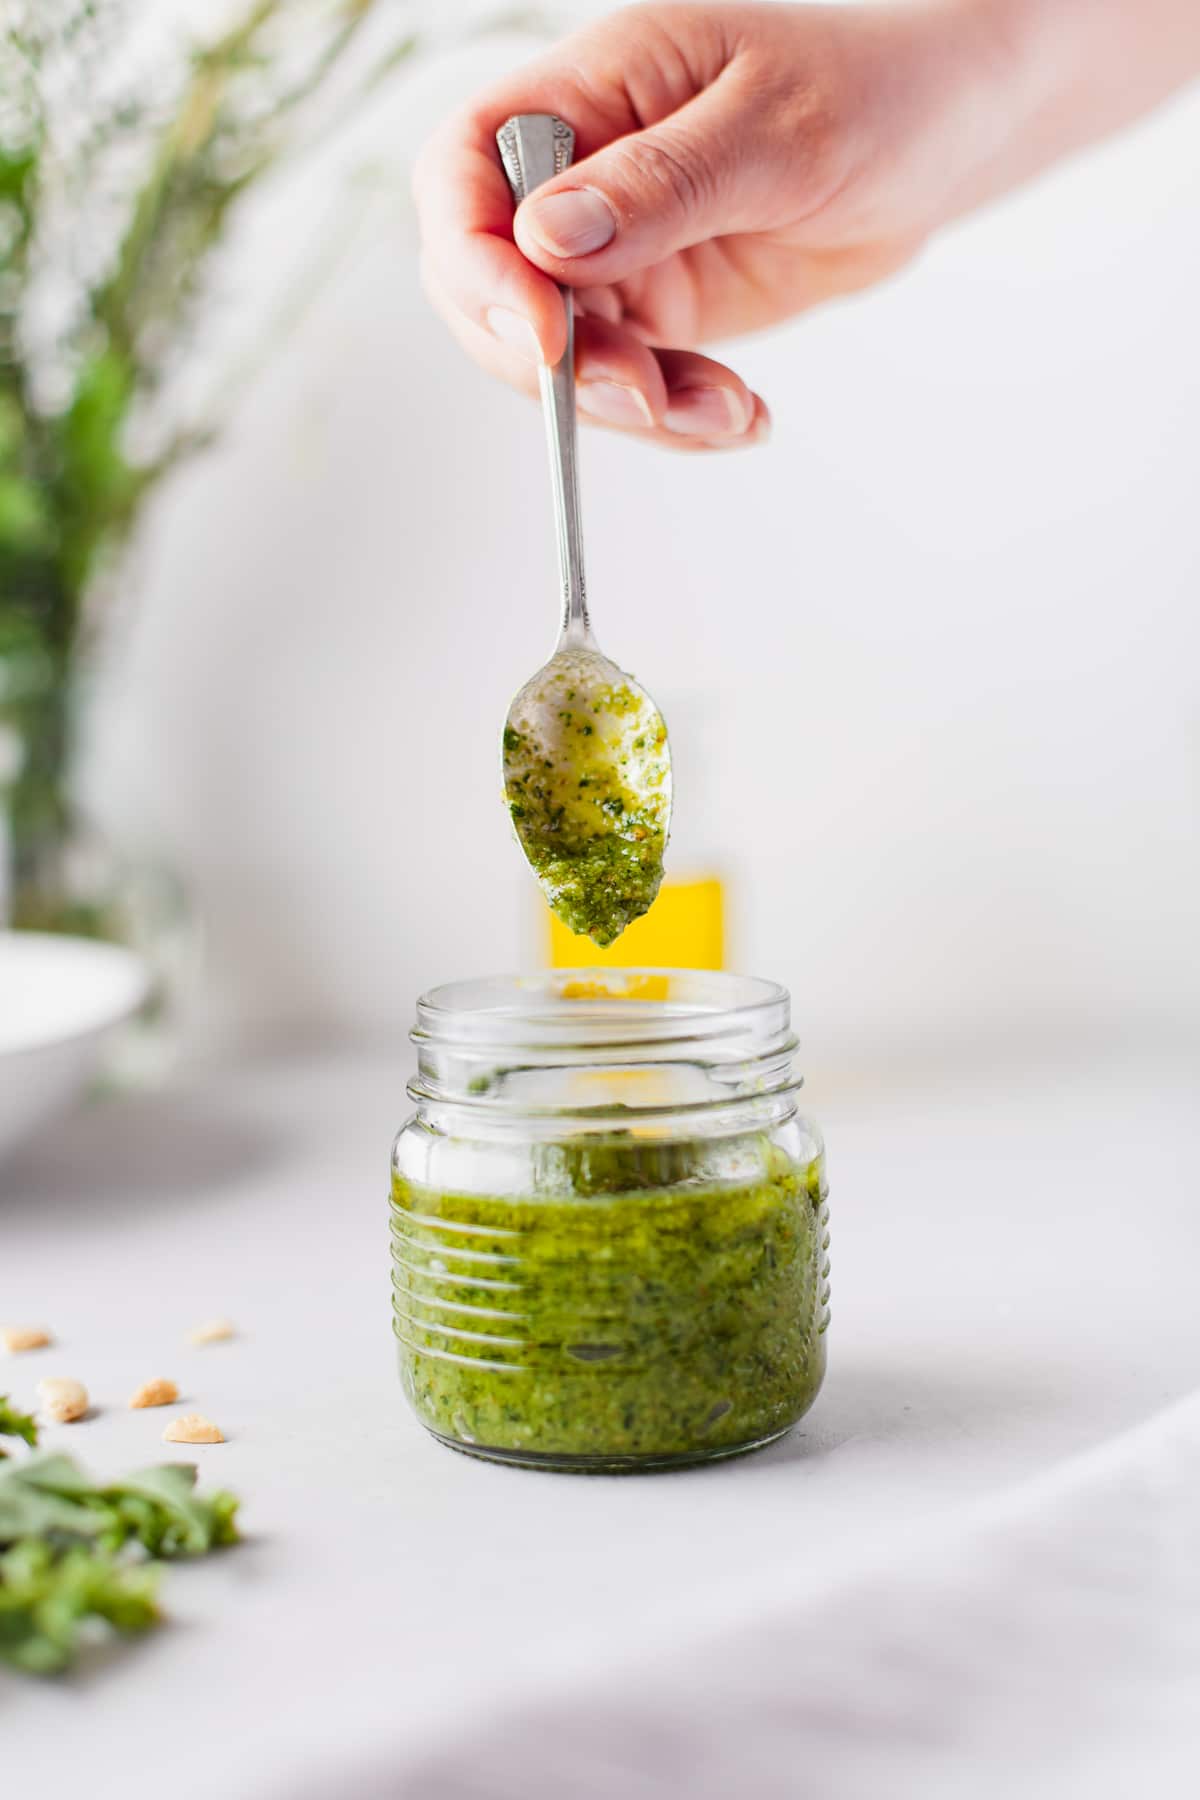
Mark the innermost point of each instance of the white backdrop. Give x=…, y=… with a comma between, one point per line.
x=934, y=654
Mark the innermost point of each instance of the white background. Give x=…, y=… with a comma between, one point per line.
x=932, y=658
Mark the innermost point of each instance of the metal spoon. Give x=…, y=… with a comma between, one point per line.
x=587, y=767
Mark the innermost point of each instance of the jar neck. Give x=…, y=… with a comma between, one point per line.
x=662, y=1053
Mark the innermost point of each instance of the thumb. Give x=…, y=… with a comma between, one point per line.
x=690, y=177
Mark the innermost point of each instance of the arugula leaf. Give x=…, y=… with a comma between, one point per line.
x=36, y=1500
x=156, y=1508
x=48, y=1596
x=73, y=1553
x=159, y=1508
x=16, y=1424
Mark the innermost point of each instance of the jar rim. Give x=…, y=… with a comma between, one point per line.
x=601, y=1009
x=485, y=1049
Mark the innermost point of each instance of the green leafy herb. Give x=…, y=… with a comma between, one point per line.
x=120, y=171
x=49, y=1597
x=15, y=1424
x=157, y=1508
x=74, y=1554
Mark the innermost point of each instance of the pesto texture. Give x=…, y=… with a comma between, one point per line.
x=603, y=1320
x=587, y=780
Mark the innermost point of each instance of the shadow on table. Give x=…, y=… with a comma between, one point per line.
x=918, y=1403
x=129, y=1153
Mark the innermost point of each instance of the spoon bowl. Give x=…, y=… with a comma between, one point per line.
x=587, y=778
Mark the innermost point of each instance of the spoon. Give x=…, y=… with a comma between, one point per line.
x=587, y=767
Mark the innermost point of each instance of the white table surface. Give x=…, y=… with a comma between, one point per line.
x=1015, y=1282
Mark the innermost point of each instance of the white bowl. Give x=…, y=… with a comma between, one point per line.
x=60, y=1000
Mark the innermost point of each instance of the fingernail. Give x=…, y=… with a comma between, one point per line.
x=615, y=404
x=514, y=332
x=573, y=223
x=708, y=412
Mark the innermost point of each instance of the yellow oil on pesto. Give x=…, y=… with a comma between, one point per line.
x=625, y=1311
x=587, y=780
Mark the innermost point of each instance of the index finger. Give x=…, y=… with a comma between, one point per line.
x=465, y=211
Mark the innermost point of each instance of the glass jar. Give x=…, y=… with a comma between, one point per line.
x=609, y=1221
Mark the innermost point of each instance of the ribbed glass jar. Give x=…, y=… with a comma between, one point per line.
x=609, y=1221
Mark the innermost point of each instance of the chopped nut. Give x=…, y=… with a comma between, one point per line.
x=62, y=1401
x=215, y=1331
x=192, y=1428
x=158, y=1392
x=24, y=1337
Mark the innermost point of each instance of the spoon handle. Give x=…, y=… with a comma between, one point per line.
x=533, y=147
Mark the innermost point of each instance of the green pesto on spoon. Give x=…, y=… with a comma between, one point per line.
x=587, y=767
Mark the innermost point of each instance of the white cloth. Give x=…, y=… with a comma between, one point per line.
x=1048, y=1646
x=972, y=1570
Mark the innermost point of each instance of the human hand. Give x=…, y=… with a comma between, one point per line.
x=736, y=165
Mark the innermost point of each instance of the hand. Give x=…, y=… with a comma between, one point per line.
x=735, y=165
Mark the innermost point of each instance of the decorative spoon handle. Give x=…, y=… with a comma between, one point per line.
x=533, y=147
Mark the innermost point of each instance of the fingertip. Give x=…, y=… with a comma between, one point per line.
x=515, y=332
x=708, y=412
x=609, y=357
x=561, y=227
x=705, y=399
x=488, y=280
x=757, y=432
x=762, y=424
x=688, y=444
x=615, y=403
x=546, y=313
x=523, y=309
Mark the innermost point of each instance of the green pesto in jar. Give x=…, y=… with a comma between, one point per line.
x=607, y=1322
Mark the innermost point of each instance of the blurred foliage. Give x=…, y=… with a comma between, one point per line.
x=118, y=174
